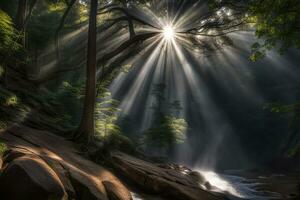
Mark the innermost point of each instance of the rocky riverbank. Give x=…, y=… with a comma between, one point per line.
x=39, y=165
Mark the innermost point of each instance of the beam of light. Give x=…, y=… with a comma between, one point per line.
x=132, y=96
x=168, y=33
x=115, y=86
x=207, y=109
x=187, y=78
x=170, y=62
x=193, y=92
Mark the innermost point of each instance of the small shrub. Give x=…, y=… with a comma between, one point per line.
x=8, y=35
x=120, y=142
x=3, y=148
x=11, y=100
x=171, y=130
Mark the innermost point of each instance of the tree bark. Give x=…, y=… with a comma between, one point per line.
x=85, y=131
x=20, y=19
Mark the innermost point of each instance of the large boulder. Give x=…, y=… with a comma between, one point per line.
x=86, y=188
x=170, y=183
x=30, y=178
x=82, y=179
x=116, y=191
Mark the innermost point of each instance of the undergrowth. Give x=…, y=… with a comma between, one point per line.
x=3, y=147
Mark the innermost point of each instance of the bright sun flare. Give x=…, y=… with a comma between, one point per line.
x=168, y=32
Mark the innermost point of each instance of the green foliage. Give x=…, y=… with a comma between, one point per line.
x=11, y=100
x=12, y=108
x=8, y=35
x=65, y=101
x=106, y=114
x=277, y=24
x=77, y=90
x=45, y=20
x=257, y=52
x=106, y=108
x=43, y=23
x=170, y=131
x=293, y=151
x=168, y=128
x=293, y=110
x=7, y=98
x=106, y=117
x=70, y=95
x=126, y=68
x=281, y=108
x=3, y=148
x=118, y=141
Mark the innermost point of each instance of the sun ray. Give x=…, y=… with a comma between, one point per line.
x=139, y=82
x=168, y=33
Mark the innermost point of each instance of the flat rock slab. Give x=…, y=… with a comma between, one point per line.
x=170, y=183
x=83, y=177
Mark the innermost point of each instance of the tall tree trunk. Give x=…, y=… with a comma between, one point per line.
x=85, y=131
x=21, y=18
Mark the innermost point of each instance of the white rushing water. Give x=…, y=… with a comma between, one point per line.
x=236, y=187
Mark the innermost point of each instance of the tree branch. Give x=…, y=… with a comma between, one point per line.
x=136, y=39
x=127, y=13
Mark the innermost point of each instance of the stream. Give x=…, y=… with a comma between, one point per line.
x=235, y=187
